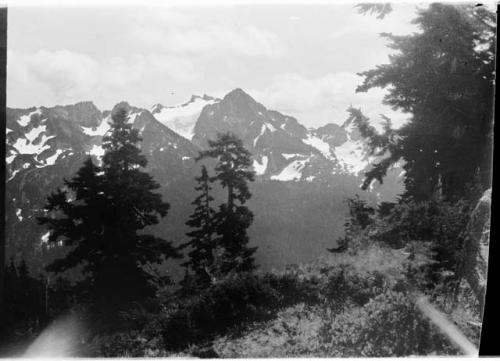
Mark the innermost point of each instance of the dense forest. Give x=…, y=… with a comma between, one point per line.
x=375, y=293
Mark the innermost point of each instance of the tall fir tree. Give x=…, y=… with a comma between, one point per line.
x=202, y=244
x=443, y=76
x=100, y=213
x=233, y=217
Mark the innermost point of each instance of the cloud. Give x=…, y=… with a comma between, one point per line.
x=50, y=75
x=372, y=26
x=321, y=100
x=154, y=52
x=63, y=76
x=65, y=71
x=165, y=54
x=173, y=33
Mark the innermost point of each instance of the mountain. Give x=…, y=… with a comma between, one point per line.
x=267, y=134
x=283, y=149
x=182, y=118
x=46, y=145
x=43, y=137
x=304, y=175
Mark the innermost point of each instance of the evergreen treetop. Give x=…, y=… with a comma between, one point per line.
x=201, y=256
x=99, y=214
x=444, y=77
x=233, y=218
x=232, y=168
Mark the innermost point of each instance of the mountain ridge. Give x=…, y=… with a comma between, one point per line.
x=297, y=170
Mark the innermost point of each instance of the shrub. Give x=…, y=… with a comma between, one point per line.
x=438, y=225
x=292, y=333
x=123, y=344
x=236, y=300
x=346, y=284
x=295, y=285
x=388, y=325
x=437, y=221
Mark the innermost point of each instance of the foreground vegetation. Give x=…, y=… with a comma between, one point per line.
x=361, y=302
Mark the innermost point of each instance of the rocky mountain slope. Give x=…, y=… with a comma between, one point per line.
x=284, y=149
x=303, y=175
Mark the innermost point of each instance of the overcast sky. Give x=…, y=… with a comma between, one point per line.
x=297, y=59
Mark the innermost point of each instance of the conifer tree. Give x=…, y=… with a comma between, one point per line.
x=443, y=76
x=201, y=256
x=233, y=217
x=100, y=212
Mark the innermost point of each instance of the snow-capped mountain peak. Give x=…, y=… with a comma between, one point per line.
x=182, y=118
x=282, y=148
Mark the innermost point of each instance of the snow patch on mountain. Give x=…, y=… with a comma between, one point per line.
x=182, y=118
x=35, y=132
x=270, y=127
x=97, y=151
x=32, y=143
x=262, y=131
x=18, y=214
x=24, y=120
x=10, y=158
x=319, y=144
x=292, y=172
x=13, y=174
x=260, y=168
x=52, y=159
x=100, y=130
x=352, y=156
x=288, y=156
x=372, y=185
x=45, y=237
x=133, y=116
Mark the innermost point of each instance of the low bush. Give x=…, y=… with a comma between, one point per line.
x=345, y=284
x=295, y=285
x=236, y=300
x=388, y=325
x=438, y=222
x=292, y=333
x=123, y=344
